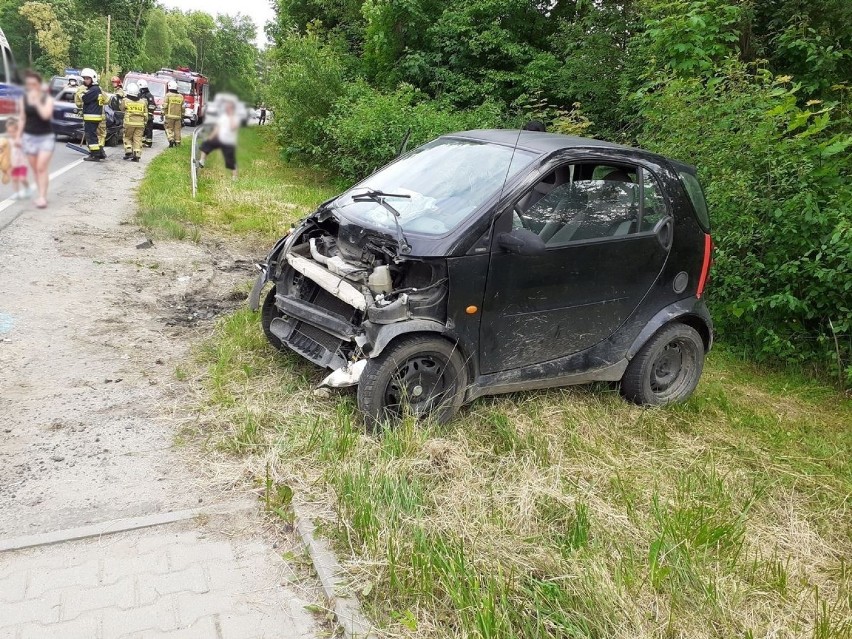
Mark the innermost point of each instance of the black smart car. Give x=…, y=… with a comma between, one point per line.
x=488, y=262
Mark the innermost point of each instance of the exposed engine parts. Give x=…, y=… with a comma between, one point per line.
x=327, y=300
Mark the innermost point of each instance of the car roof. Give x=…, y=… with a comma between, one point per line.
x=546, y=143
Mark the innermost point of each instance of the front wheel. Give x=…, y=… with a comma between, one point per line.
x=667, y=369
x=421, y=375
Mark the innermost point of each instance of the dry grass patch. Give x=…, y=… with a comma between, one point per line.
x=563, y=513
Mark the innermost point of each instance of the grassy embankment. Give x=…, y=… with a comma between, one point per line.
x=261, y=204
x=563, y=513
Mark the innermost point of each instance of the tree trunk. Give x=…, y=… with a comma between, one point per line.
x=142, y=4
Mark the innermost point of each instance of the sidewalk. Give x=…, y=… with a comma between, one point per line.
x=189, y=580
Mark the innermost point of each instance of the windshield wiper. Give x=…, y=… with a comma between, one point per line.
x=379, y=197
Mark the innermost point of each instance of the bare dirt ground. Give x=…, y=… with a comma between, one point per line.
x=97, y=329
x=91, y=331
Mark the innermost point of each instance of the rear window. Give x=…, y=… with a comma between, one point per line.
x=696, y=196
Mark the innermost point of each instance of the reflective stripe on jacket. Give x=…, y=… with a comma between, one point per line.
x=173, y=106
x=135, y=111
x=93, y=103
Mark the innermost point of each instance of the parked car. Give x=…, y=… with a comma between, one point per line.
x=59, y=82
x=67, y=121
x=488, y=262
x=10, y=90
x=217, y=105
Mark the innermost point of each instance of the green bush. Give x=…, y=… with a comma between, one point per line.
x=307, y=79
x=777, y=182
x=367, y=126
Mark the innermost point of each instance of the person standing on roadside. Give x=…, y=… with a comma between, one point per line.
x=262, y=119
x=145, y=94
x=135, y=117
x=173, y=112
x=37, y=140
x=224, y=137
x=92, y=104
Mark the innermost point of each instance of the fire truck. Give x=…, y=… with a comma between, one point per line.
x=195, y=89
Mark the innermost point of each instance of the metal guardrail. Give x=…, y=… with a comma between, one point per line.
x=198, y=136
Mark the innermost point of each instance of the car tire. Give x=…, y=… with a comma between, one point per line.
x=268, y=312
x=392, y=384
x=666, y=369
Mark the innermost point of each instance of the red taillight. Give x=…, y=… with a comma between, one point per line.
x=705, y=265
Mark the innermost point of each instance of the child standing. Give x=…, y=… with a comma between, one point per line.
x=19, y=160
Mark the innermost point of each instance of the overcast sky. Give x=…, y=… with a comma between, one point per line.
x=260, y=11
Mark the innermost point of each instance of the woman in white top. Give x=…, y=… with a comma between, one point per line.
x=224, y=137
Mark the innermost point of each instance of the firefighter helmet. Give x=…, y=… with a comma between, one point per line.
x=89, y=73
x=143, y=84
x=132, y=90
x=172, y=85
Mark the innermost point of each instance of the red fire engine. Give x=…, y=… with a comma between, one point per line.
x=195, y=89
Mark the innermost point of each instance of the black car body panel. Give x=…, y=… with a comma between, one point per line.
x=68, y=122
x=576, y=307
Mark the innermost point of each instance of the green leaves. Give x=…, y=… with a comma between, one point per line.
x=777, y=180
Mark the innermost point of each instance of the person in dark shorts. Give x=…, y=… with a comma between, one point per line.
x=224, y=138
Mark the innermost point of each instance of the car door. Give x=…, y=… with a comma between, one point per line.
x=607, y=234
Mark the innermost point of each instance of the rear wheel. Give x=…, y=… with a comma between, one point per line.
x=420, y=375
x=666, y=369
x=269, y=312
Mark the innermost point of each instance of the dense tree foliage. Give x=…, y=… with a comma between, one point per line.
x=49, y=35
x=755, y=94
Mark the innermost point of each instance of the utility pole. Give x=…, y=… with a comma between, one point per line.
x=109, y=29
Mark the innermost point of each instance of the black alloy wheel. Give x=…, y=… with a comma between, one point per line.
x=419, y=375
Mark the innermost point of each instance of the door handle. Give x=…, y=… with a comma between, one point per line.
x=664, y=230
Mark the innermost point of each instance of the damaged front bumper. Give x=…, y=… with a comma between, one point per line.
x=346, y=376
x=330, y=312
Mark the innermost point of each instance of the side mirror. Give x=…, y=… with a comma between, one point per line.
x=521, y=242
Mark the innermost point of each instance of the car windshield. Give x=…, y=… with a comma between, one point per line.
x=444, y=181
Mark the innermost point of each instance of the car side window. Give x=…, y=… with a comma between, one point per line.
x=654, y=208
x=590, y=201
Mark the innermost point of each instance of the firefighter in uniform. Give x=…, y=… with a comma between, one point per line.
x=173, y=111
x=91, y=101
x=145, y=94
x=78, y=100
x=135, y=118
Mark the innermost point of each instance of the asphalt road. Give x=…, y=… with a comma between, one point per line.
x=62, y=168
